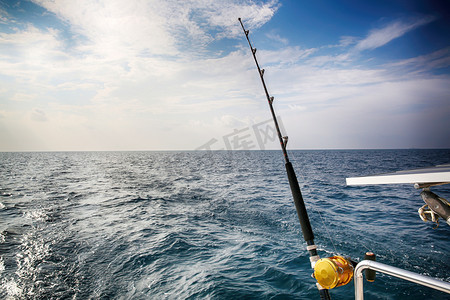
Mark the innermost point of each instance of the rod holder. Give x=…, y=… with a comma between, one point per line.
x=370, y=274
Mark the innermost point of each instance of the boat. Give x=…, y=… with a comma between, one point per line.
x=435, y=208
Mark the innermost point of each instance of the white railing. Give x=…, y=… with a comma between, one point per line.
x=396, y=272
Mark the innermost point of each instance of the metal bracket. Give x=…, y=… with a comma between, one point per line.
x=396, y=272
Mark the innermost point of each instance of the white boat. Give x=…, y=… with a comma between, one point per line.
x=437, y=175
x=435, y=207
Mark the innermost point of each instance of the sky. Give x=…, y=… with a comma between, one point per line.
x=107, y=75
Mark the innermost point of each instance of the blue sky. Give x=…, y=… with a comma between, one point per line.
x=177, y=75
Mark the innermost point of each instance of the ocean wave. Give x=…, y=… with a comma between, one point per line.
x=180, y=225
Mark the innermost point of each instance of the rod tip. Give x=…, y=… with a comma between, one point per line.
x=239, y=19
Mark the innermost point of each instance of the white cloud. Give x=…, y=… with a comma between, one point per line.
x=382, y=36
x=141, y=78
x=390, y=114
x=23, y=97
x=38, y=115
x=253, y=15
x=435, y=60
x=297, y=107
x=284, y=55
x=346, y=41
x=115, y=28
x=4, y=17
x=92, y=97
x=277, y=38
x=122, y=28
x=30, y=45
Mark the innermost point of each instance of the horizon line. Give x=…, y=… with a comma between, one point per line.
x=223, y=150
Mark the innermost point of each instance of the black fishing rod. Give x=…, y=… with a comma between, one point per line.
x=308, y=234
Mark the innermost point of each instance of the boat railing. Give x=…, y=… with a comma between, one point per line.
x=396, y=272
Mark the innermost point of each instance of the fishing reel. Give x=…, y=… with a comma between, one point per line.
x=338, y=271
x=436, y=207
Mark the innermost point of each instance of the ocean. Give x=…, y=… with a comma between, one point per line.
x=208, y=224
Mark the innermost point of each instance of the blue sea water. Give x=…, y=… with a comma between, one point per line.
x=208, y=225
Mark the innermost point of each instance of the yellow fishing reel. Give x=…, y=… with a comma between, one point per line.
x=333, y=271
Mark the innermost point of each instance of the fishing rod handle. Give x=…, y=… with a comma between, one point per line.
x=324, y=295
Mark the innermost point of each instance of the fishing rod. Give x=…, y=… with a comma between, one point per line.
x=308, y=234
